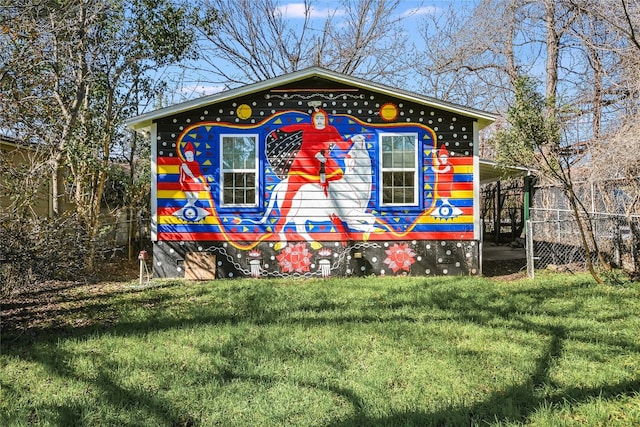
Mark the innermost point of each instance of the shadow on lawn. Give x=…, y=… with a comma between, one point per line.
x=468, y=305
x=46, y=312
x=497, y=407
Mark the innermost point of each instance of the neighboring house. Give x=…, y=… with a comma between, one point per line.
x=316, y=173
x=17, y=159
x=26, y=190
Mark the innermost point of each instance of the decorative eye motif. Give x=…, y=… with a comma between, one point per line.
x=446, y=211
x=192, y=213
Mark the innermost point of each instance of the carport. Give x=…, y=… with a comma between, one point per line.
x=491, y=252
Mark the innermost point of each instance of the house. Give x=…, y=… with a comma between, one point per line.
x=315, y=174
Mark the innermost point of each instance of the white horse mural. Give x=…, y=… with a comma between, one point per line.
x=345, y=200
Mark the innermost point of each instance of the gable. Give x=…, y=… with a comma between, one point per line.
x=310, y=75
x=455, y=131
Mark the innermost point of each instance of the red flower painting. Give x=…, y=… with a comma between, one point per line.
x=400, y=257
x=295, y=258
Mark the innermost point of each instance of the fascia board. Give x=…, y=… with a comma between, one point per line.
x=143, y=121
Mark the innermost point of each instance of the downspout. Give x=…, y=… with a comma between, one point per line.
x=153, y=134
x=527, y=202
x=478, y=234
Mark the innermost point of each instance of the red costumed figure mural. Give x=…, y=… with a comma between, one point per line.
x=312, y=162
x=445, y=170
x=192, y=182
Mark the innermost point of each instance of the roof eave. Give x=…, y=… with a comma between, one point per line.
x=16, y=143
x=143, y=122
x=484, y=118
x=491, y=171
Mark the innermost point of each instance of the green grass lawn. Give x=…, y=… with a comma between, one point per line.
x=387, y=351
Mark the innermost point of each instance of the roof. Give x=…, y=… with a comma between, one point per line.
x=15, y=143
x=144, y=121
x=491, y=171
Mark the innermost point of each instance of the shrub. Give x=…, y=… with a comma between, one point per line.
x=35, y=250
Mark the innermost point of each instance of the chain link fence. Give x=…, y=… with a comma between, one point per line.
x=554, y=241
x=121, y=236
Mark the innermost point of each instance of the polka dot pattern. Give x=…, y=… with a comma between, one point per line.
x=431, y=258
x=453, y=131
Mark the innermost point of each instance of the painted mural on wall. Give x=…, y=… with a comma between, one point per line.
x=299, y=188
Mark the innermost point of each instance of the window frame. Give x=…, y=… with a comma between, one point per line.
x=414, y=170
x=255, y=171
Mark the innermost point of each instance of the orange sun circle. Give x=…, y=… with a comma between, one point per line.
x=243, y=111
x=389, y=112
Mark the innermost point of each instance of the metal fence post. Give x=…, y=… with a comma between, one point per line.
x=529, y=249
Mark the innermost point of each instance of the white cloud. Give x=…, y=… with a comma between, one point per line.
x=417, y=11
x=297, y=10
x=201, y=90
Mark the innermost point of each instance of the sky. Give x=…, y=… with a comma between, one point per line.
x=408, y=8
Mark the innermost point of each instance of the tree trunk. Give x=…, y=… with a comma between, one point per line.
x=553, y=52
x=583, y=239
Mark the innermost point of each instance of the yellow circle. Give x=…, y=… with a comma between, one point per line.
x=243, y=111
x=388, y=112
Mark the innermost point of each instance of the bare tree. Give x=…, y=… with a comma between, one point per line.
x=451, y=66
x=610, y=35
x=558, y=42
x=482, y=47
x=247, y=41
x=490, y=45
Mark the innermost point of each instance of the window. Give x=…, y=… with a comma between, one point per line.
x=239, y=170
x=399, y=171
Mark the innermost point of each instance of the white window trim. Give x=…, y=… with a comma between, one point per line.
x=154, y=182
x=255, y=171
x=415, y=169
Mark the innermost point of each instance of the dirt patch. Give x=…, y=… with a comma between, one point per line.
x=505, y=269
x=56, y=305
x=123, y=271
x=59, y=305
